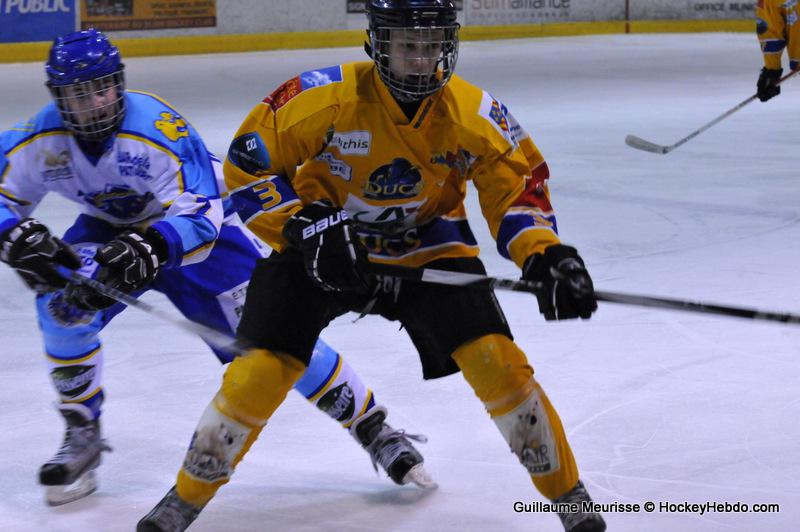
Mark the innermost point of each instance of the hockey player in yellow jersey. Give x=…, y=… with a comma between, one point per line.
x=368, y=163
x=778, y=29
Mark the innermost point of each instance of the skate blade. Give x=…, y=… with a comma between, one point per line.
x=58, y=495
x=417, y=475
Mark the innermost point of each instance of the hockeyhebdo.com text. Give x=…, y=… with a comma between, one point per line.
x=700, y=508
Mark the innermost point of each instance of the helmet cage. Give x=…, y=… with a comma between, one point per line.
x=414, y=86
x=94, y=109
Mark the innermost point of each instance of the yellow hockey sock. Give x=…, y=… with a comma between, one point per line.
x=499, y=373
x=252, y=389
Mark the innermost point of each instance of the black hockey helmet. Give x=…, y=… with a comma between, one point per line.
x=427, y=26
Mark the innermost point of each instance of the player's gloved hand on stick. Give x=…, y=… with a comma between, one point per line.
x=568, y=290
x=128, y=263
x=767, y=81
x=334, y=257
x=35, y=254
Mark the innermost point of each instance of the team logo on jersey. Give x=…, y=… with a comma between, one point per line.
x=249, y=153
x=390, y=219
x=172, y=126
x=339, y=402
x=119, y=201
x=460, y=161
x=350, y=142
x=134, y=165
x=396, y=180
x=58, y=166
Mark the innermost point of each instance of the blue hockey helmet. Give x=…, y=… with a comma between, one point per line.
x=425, y=33
x=85, y=76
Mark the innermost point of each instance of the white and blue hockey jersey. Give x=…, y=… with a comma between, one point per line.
x=156, y=173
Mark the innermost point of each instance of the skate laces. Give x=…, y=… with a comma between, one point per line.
x=576, y=495
x=174, y=511
x=80, y=438
x=389, y=444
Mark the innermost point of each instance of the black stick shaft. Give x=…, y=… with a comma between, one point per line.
x=428, y=275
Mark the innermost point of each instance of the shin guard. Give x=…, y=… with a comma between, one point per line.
x=252, y=389
x=500, y=375
x=333, y=386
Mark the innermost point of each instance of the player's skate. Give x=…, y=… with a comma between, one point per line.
x=171, y=514
x=391, y=448
x=70, y=475
x=579, y=521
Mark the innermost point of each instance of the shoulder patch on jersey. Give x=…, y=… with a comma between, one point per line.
x=173, y=126
x=26, y=126
x=498, y=116
x=318, y=78
x=249, y=153
x=305, y=81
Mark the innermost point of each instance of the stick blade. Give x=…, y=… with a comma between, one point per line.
x=639, y=143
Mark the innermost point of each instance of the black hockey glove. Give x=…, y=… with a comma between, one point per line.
x=569, y=292
x=34, y=253
x=334, y=257
x=767, y=80
x=128, y=263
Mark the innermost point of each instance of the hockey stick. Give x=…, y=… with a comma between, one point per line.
x=645, y=145
x=427, y=275
x=214, y=337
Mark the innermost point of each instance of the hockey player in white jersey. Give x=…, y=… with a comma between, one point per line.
x=152, y=217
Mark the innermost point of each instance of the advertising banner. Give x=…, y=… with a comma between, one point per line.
x=121, y=15
x=507, y=12
x=35, y=20
x=691, y=9
x=357, y=6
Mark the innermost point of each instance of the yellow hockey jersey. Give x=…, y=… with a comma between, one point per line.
x=337, y=134
x=777, y=28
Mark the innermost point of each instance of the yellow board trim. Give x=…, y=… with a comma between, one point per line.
x=208, y=44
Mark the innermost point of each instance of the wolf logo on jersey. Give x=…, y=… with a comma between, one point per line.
x=172, y=126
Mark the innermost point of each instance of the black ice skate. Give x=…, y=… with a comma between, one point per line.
x=579, y=521
x=171, y=514
x=391, y=449
x=70, y=475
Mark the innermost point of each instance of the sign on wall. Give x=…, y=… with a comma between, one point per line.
x=506, y=12
x=357, y=6
x=120, y=15
x=691, y=9
x=35, y=20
